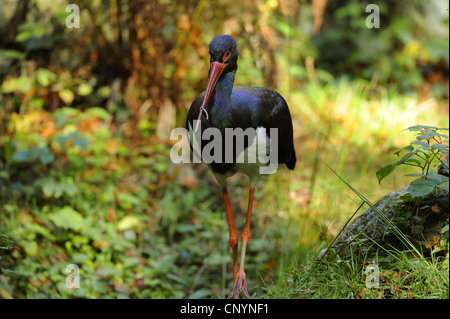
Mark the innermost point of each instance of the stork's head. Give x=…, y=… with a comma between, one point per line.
x=222, y=50
x=223, y=59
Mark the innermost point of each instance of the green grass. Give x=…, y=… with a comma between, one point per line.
x=405, y=278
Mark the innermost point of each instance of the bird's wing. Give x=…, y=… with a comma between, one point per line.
x=270, y=110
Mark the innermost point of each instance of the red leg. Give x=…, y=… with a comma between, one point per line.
x=239, y=283
x=233, y=233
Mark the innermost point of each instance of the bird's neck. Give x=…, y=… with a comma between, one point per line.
x=222, y=98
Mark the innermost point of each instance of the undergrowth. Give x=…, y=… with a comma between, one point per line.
x=386, y=272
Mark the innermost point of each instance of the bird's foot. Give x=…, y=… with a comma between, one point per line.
x=239, y=285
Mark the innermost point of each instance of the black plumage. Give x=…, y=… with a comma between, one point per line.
x=224, y=106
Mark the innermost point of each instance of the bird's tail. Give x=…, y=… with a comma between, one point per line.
x=292, y=160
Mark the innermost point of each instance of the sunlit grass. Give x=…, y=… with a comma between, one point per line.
x=346, y=279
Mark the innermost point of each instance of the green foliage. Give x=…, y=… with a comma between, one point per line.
x=400, y=51
x=429, y=148
x=31, y=154
x=67, y=218
x=106, y=208
x=84, y=180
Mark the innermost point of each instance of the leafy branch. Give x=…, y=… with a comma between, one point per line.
x=429, y=148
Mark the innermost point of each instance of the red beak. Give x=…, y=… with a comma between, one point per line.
x=214, y=74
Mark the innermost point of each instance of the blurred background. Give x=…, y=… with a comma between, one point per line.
x=86, y=113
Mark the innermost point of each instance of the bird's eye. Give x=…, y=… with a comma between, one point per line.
x=226, y=56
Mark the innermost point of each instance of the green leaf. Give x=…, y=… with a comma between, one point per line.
x=385, y=171
x=4, y=175
x=216, y=258
x=415, y=162
x=60, y=118
x=422, y=145
x=50, y=187
x=99, y=112
x=438, y=146
x=37, y=103
x=43, y=153
x=408, y=148
x=84, y=89
x=417, y=229
x=22, y=84
x=67, y=218
x=61, y=139
x=422, y=128
x=44, y=77
x=128, y=222
x=66, y=95
x=284, y=28
x=104, y=91
x=128, y=200
x=298, y=71
x=46, y=158
x=436, y=178
x=406, y=198
x=421, y=187
x=11, y=54
x=405, y=158
x=416, y=128
x=24, y=156
x=30, y=30
x=30, y=247
x=443, y=186
x=79, y=140
x=423, y=182
x=388, y=169
x=76, y=138
x=427, y=136
x=54, y=188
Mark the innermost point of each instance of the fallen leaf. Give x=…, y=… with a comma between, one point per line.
x=112, y=214
x=433, y=241
x=49, y=130
x=436, y=209
x=190, y=181
x=111, y=147
x=395, y=276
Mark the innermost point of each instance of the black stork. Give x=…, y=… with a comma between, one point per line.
x=224, y=106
